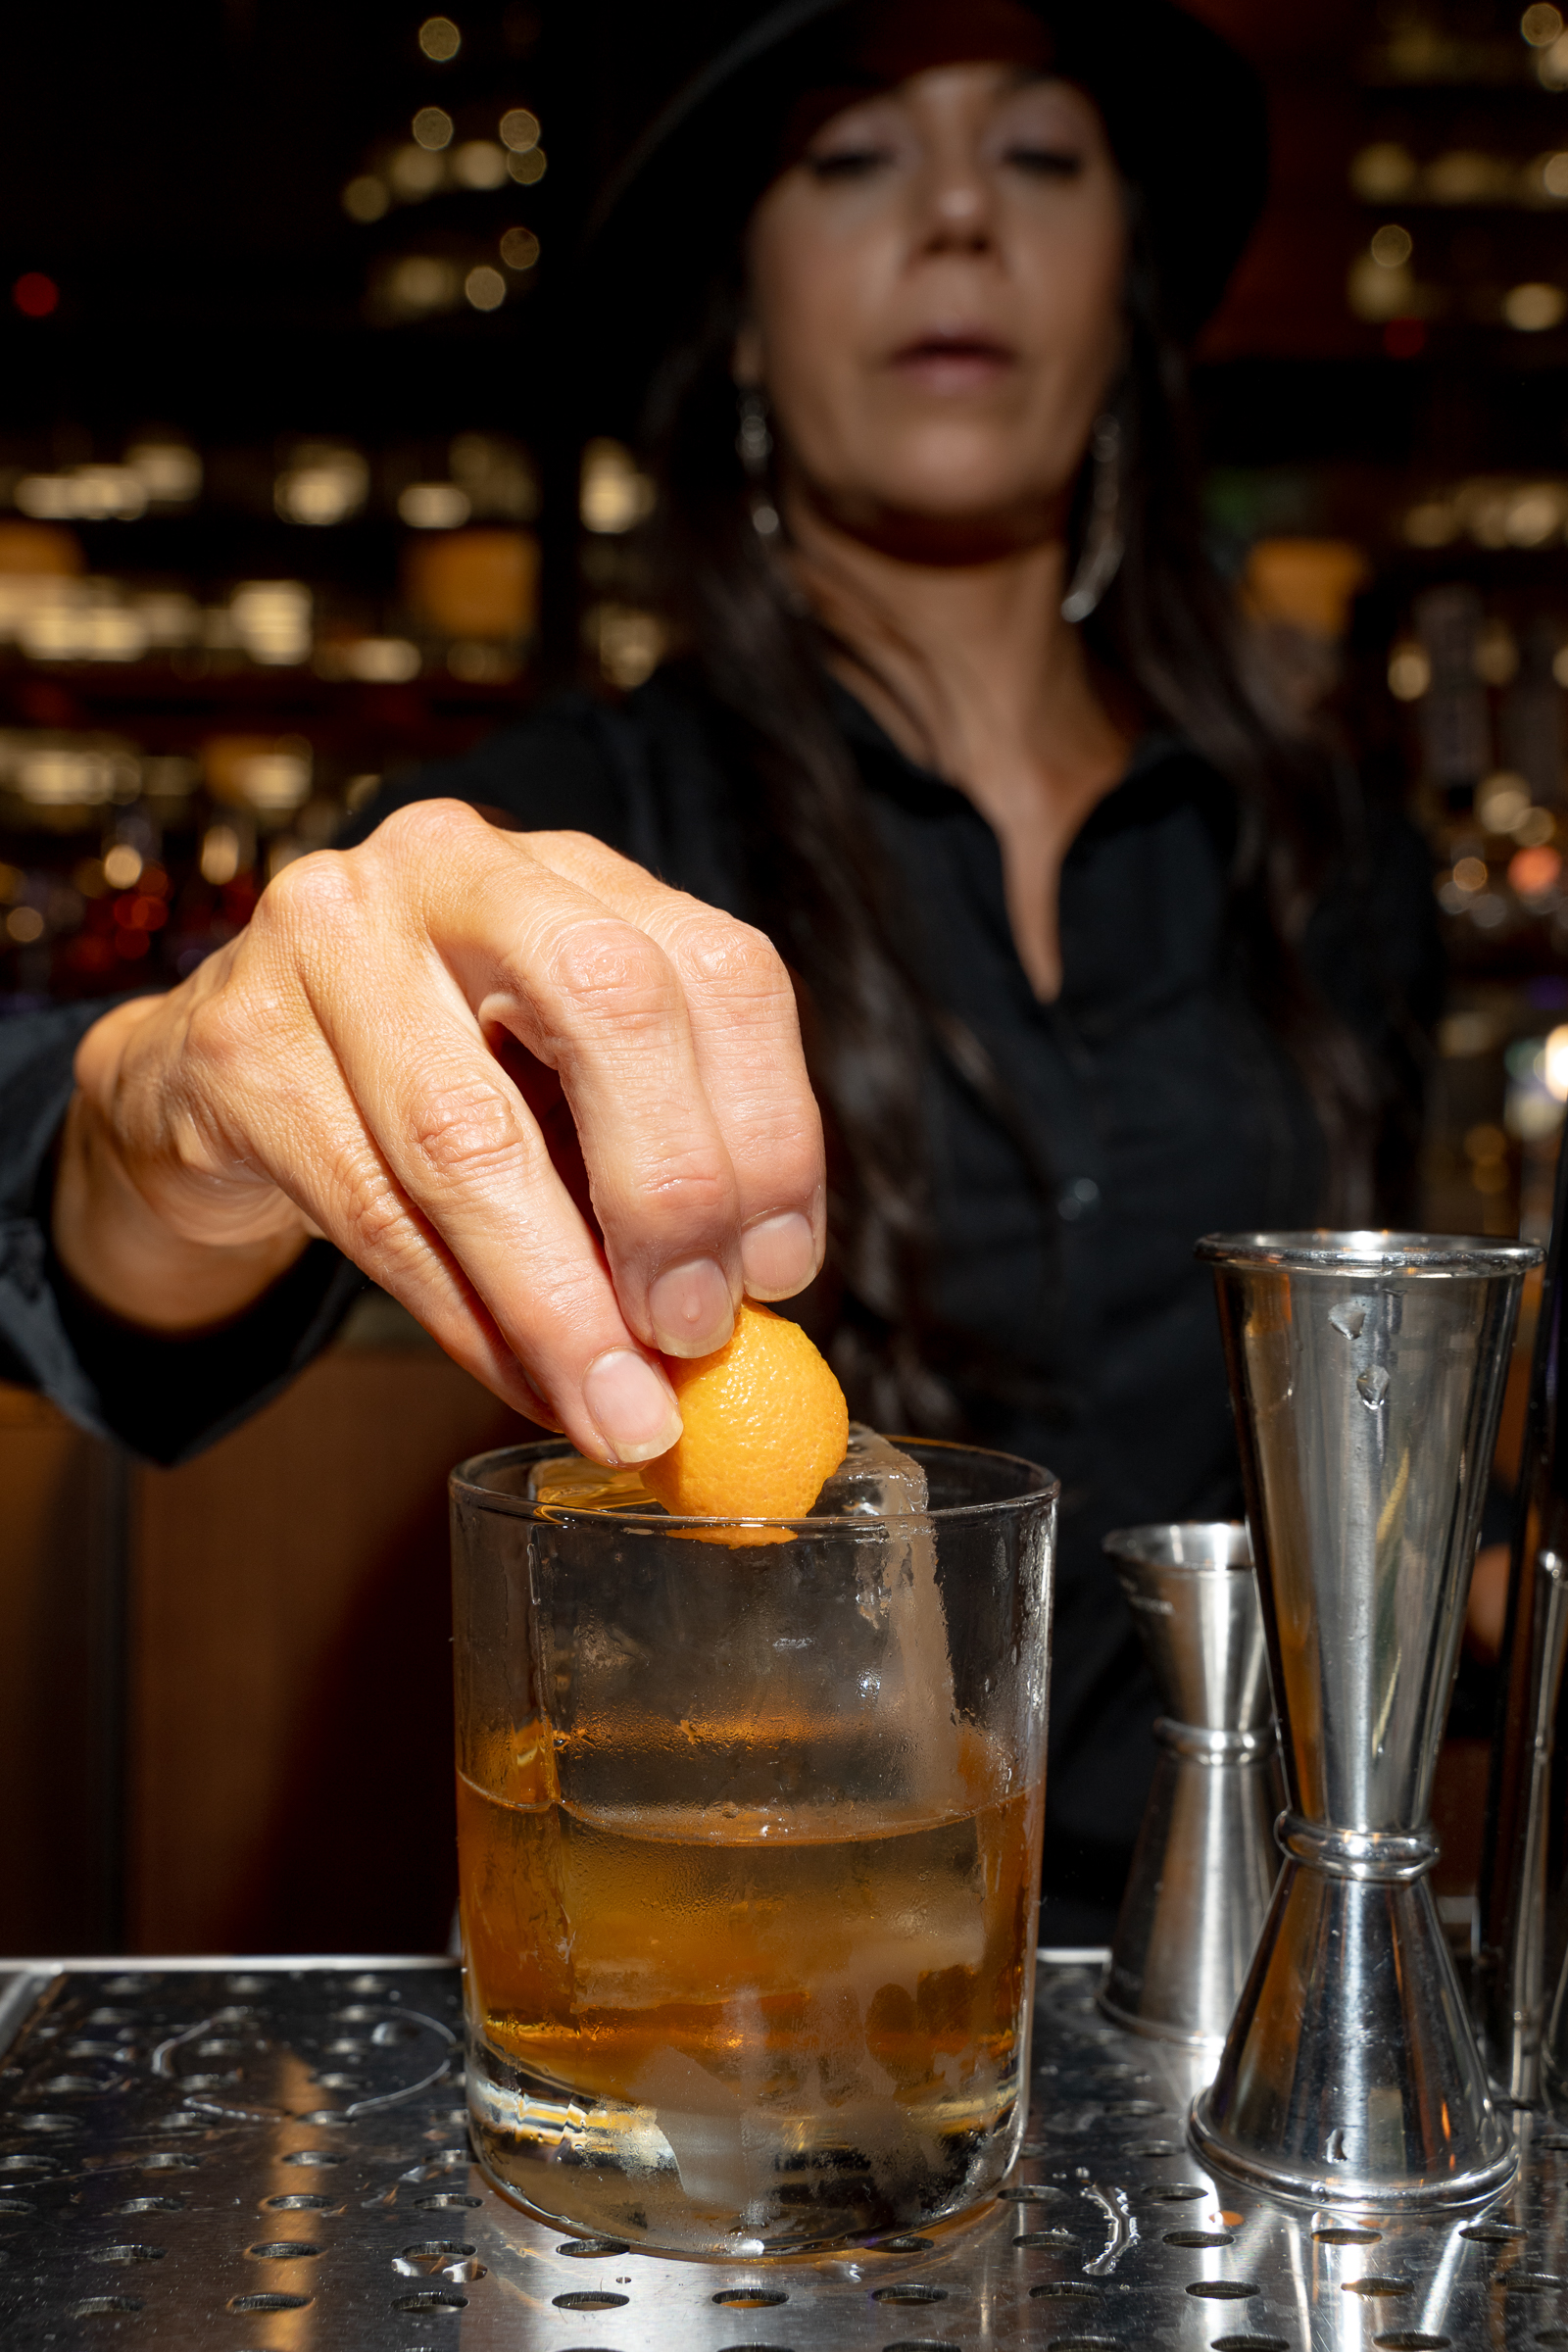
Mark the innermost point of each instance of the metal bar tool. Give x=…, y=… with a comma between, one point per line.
x=1205, y=1859
x=1366, y=1373
x=1521, y=1977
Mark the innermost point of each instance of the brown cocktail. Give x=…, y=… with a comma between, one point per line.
x=750, y=1836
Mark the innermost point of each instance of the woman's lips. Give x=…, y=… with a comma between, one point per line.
x=954, y=363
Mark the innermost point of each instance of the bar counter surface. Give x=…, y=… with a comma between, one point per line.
x=271, y=2156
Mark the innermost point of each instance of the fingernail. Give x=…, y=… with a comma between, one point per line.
x=631, y=1407
x=778, y=1254
x=691, y=1310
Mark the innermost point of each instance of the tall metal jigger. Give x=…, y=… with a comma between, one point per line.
x=1367, y=1374
x=1205, y=1861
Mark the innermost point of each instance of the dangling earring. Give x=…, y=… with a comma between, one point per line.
x=1102, y=540
x=754, y=446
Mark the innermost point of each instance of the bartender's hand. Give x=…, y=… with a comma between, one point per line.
x=465, y=1055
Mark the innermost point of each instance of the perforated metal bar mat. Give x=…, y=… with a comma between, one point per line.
x=242, y=2158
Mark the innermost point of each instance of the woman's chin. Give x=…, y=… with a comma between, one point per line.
x=983, y=521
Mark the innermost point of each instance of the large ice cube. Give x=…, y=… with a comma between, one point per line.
x=876, y=1481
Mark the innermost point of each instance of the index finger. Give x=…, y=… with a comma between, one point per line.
x=745, y=1037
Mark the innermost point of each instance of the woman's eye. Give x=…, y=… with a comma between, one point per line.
x=847, y=163
x=1045, y=163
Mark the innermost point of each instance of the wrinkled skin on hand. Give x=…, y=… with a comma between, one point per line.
x=557, y=1109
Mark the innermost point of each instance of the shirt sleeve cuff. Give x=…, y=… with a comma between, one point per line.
x=164, y=1397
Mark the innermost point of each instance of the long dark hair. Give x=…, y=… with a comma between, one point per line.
x=1168, y=628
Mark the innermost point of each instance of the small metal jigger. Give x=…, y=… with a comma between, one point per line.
x=1205, y=1859
x=1366, y=1372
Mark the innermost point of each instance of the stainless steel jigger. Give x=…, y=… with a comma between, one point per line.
x=1205, y=1859
x=1366, y=1371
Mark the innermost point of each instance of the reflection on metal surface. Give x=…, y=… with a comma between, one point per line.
x=1367, y=1373
x=158, y=2220
x=1205, y=1860
x=1522, y=1969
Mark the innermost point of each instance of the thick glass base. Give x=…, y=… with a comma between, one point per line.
x=666, y=2180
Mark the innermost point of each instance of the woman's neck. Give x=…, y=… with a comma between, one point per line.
x=973, y=672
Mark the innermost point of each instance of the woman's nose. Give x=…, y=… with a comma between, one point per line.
x=959, y=213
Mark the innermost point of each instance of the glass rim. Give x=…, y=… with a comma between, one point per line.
x=463, y=1484
x=1370, y=1250
x=1149, y=1546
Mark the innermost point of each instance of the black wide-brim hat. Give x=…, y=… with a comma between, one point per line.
x=1183, y=112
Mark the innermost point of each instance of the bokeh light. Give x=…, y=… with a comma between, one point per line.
x=519, y=249
x=629, y=641
x=168, y=472
x=34, y=295
x=485, y=288
x=1432, y=523
x=440, y=39
x=1409, y=670
x=1496, y=654
x=382, y=661
x=1467, y=176
x=1534, y=514
x=1535, y=872
x=1534, y=307
x=271, y=620
x=479, y=164
x=1383, y=173
x=613, y=495
x=519, y=130
x=220, y=855
x=365, y=198
x=432, y=127
x=421, y=283
x=1501, y=800
x=415, y=171
x=1392, y=246
x=323, y=483
x=1379, y=290
x=86, y=494
x=434, y=507
x=528, y=167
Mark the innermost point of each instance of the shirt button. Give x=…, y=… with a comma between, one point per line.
x=1077, y=1199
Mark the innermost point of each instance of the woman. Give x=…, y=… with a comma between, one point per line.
x=955, y=753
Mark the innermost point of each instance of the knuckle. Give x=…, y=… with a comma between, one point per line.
x=734, y=958
x=610, y=971
x=219, y=1032
x=697, y=1186
x=376, y=1222
x=423, y=829
x=561, y=842
x=309, y=898
x=779, y=1155
x=468, y=1129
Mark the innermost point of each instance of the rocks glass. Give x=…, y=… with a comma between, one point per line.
x=749, y=1835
